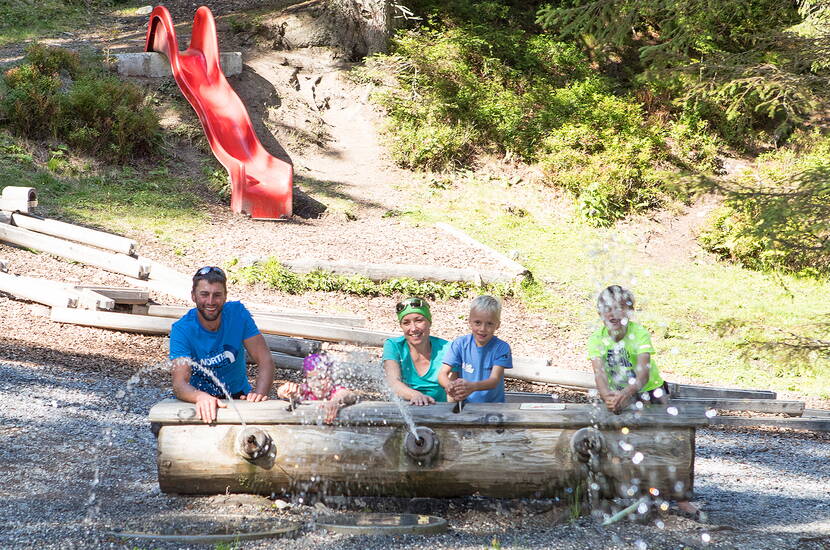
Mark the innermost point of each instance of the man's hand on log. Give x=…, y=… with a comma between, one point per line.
x=206, y=406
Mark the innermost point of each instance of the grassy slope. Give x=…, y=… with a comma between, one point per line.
x=119, y=199
x=700, y=314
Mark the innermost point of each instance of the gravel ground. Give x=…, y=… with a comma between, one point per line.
x=79, y=461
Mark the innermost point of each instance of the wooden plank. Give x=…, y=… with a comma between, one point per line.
x=297, y=347
x=149, y=324
x=85, y=235
x=816, y=413
x=382, y=272
x=42, y=291
x=283, y=361
x=89, y=299
x=370, y=413
x=322, y=331
x=688, y=390
x=127, y=322
x=813, y=424
x=777, y=406
x=109, y=261
x=515, y=269
x=345, y=320
x=528, y=397
x=120, y=294
x=537, y=370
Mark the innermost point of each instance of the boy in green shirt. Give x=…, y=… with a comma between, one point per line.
x=620, y=353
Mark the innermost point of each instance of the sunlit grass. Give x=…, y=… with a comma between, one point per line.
x=121, y=200
x=706, y=318
x=21, y=21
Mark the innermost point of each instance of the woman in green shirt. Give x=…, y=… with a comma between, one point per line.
x=412, y=361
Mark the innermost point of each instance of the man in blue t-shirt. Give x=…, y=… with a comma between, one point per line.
x=207, y=348
x=474, y=364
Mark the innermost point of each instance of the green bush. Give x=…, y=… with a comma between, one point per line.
x=53, y=94
x=470, y=81
x=780, y=218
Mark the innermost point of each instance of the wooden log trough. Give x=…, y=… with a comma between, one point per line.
x=505, y=450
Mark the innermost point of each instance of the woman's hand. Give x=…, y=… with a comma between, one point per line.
x=419, y=399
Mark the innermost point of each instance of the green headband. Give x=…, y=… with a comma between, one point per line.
x=408, y=307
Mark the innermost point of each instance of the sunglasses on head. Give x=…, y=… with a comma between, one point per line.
x=209, y=269
x=413, y=302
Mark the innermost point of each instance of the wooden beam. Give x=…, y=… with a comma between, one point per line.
x=537, y=370
x=687, y=390
x=42, y=291
x=149, y=324
x=120, y=294
x=85, y=235
x=287, y=345
x=515, y=269
x=127, y=322
x=776, y=406
x=812, y=424
x=382, y=413
x=282, y=361
x=528, y=397
x=382, y=272
x=109, y=261
x=816, y=413
x=346, y=320
x=322, y=331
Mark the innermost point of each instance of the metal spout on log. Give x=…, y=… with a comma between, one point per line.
x=254, y=443
x=587, y=442
x=422, y=446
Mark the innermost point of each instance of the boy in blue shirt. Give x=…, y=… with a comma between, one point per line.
x=474, y=364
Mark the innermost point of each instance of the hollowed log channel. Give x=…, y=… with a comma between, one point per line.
x=498, y=450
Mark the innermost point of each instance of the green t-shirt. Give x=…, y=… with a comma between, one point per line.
x=620, y=358
x=397, y=349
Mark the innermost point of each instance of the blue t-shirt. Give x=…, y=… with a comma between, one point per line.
x=476, y=363
x=397, y=349
x=221, y=352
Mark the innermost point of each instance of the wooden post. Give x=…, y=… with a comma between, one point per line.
x=100, y=239
x=382, y=272
x=15, y=198
x=42, y=291
x=116, y=263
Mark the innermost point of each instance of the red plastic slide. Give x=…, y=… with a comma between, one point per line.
x=260, y=183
